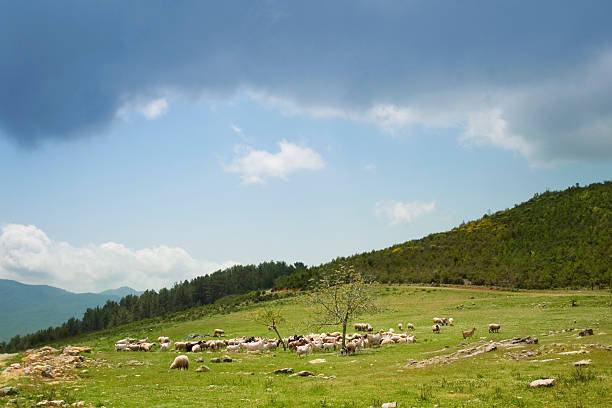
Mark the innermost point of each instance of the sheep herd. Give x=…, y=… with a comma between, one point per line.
x=300, y=344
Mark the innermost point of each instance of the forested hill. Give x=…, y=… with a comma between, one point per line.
x=556, y=239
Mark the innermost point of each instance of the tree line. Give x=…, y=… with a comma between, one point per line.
x=199, y=291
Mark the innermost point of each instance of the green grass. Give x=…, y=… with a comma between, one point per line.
x=373, y=376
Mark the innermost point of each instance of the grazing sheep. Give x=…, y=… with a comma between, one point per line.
x=196, y=348
x=438, y=320
x=164, y=346
x=121, y=346
x=469, y=333
x=350, y=348
x=361, y=327
x=436, y=328
x=134, y=347
x=410, y=326
x=235, y=348
x=400, y=326
x=219, y=332
x=146, y=346
x=451, y=321
x=180, y=345
x=162, y=339
x=494, y=327
x=180, y=363
x=301, y=350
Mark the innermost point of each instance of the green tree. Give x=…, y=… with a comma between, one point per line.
x=270, y=317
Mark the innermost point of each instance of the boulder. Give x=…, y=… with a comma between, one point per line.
x=582, y=363
x=389, y=405
x=202, y=369
x=4, y=391
x=545, y=382
x=585, y=332
x=303, y=374
x=226, y=359
x=287, y=370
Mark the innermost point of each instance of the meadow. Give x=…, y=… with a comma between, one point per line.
x=371, y=377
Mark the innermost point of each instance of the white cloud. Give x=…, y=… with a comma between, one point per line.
x=236, y=129
x=396, y=212
x=370, y=167
x=153, y=109
x=256, y=166
x=28, y=255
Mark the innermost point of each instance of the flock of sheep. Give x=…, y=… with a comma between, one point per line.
x=301, y=344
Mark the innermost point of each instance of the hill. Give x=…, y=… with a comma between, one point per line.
x=556, y=239
x=26, y=308
x=437, y=370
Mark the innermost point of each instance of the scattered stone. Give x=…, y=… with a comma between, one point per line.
x=585, y=332
x=226, y=359
x=389, y=405
x=79, y=404
x=203, y=369
x=194, y=336
x=491, y=347
x=200, y=359
x=215, y=360
x=75, y=350
x=54, y=403
x=546, y=360
x=547, y=382
x=47, y=372
x=582, y=363
x=287, y=370
x=318, y=361
x=526, y=340
x=134, y=363
x=303, y=374
x=566, y=353
x=4, y=391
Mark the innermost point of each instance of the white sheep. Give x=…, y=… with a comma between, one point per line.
x=451, y=321
x=180, y=363
x=196, y=348
x=439, y=320
x=410, y=326
x=219, y=332
x=164, y=346
x=400, y=326
x=233, y=348
x=162, y=339
x=180, y=345
x=436, y=328
x=301, y=350
x=121, y=346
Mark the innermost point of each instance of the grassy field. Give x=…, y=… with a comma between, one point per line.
x=373, y=376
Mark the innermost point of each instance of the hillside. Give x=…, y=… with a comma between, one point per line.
x=433, y=371
x=556, y=239
x=26, y=308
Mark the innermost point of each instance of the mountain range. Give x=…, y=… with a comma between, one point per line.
x=27, y=308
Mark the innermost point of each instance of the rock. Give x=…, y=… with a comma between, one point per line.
x=287, y=370
x=582, y=363
x=202, y=369
x=585, y=332
x=200, y=359
x=318, y=361
x=215, y=360
x=303, y=374
x=389, y=405
x=565, y=353
x=226, y=359
x=47, y=371
x=547, y=382
x=54, y=403
x=194, y=336
x=4, y=391
x=491, y=347
x=79, y=404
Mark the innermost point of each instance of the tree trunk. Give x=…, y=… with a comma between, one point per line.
x=344, y=334
x=280, y=338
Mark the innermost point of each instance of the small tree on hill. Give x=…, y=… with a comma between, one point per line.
x=270, y=317
x=342, y=294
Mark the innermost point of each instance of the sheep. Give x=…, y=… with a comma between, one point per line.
x=350, y=348
x=400, y=326
x=451, y=321
x=494, y=327
x=180, y=363
x=469, y=333
x=440, y=320
x=436, y=328
x=410, y=326
x=180, y=345
x=235, y=348
x=196, y=348
x=121, y=346
x=133, y=347
x=362, y=327
x=146, y=346
x=218, y=332
x=164, y=346
x=374, y=339
x=386, y=341
x=300, y=350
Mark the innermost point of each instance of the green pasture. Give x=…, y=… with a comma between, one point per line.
x=371, y=377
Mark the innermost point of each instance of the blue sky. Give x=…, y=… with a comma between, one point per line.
x=150, y=143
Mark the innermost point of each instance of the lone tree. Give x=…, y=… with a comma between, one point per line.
x=342, y=294
x=270, y=317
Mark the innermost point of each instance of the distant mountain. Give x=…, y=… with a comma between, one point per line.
x=27, y=308
x=121, y=292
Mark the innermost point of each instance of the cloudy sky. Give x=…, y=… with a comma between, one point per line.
x=142, y=143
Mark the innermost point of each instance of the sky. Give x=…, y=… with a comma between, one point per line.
x=144, y=143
